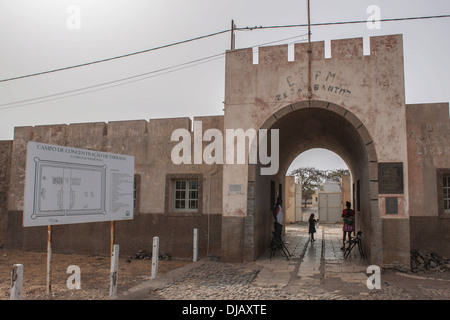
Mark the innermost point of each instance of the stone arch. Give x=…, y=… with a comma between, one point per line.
x=320, y=124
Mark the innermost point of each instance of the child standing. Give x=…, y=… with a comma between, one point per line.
x=312, y=226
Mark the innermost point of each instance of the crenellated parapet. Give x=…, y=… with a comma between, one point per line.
x=340, y=49
x=368, y=83
x=342, y=74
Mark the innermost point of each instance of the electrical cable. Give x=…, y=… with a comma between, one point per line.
x=114, y=58
x=111, y=84
x=154, y=73
x=214, y=34
x=340, y=22
x=114, y=83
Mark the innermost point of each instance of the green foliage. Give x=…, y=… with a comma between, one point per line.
x=312, y=179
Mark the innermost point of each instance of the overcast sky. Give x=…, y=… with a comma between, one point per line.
x=41, y=35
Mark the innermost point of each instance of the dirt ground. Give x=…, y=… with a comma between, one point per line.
x=94, y=270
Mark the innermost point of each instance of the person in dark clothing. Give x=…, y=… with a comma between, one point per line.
x=278, y=216
x=312, y=226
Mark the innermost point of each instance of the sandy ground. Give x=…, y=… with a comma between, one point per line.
x=95, y=274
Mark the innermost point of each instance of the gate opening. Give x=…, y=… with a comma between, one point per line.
x=317, y=182
x=310, y=125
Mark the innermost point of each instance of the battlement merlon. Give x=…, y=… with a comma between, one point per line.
x=355, y=76
x=340, y=49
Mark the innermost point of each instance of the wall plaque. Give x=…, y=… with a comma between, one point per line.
x=391, y=205
x=390, y=178
x=235, y=189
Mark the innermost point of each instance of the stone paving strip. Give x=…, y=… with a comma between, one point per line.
x=316, y=271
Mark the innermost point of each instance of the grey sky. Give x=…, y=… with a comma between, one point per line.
x=34, y=37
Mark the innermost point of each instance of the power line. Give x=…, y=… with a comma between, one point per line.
x=114, y=58
x=110, y=84
x=215, y=34
x=340, y=22
x=115, y=83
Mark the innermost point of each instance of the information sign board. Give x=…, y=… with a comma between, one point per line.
x=68, y=185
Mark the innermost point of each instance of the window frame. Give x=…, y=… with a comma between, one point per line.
x=170, y=195
x=187, y=190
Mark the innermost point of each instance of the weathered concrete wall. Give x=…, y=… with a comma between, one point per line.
x=5, y=164
x=289, y=199
x=368, y=90
x=371, y=87
x=150, y=143
x=346, y=189
x=429, y=158
x=175, y=234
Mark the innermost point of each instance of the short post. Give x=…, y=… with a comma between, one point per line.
x=155, y=257
x=195, y=254
x=16, y=282
x=114, y=270
x=113, y=235
x=49, y=261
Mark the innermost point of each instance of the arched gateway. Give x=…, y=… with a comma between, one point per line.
x=356, y=109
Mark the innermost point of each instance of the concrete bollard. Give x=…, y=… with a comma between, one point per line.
x=114, y=270
x=16, y=282
x=195, y=253
x=155, y=257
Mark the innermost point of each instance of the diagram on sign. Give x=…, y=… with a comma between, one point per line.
x=64, y=189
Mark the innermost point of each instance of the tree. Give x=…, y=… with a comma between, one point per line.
x=310, y=179
x=336, y=175
x=307, y=194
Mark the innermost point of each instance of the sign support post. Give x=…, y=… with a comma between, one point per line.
x=113, y=235
x=49, y=261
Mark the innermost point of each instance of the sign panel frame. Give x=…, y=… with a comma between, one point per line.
x=67, y=185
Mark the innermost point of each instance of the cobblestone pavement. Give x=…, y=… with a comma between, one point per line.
x=316, y=271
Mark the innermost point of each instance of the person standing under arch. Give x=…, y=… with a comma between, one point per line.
x=348, y=216
x=278, y=216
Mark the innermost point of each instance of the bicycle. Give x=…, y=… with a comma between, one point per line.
x=278, y=244
x=354, y=241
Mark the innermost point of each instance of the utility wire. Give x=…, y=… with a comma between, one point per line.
x=114, y=58
x=340, y=22
x=110, y=84
x=215, y=34
x=119, y=82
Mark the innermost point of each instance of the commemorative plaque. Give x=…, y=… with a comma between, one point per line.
x=391, y=205
x=390, y=178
